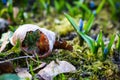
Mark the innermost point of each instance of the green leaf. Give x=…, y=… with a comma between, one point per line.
x=118, y=44
x=89, y=23
x=9, y=77
x=72, y=22
x=31, y=38
x=14, y=49
x=83, y=6
x=100, y=42
x=118, y=35
x=102, y=45
x=111, y=42
x=2, y=11
x=91, y=43
x=60, y=77
x=112, y=5
x=105, y=53
x=89, y=40
x=99, y=38
x=57, y=6
x=42, y=4
x=100, y=6
x=12, y=28
x=70, y=9
x=10, y=8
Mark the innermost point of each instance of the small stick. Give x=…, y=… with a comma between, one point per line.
x=32, y=58
x=16, y=58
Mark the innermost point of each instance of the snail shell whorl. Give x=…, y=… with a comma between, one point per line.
x=20, y=34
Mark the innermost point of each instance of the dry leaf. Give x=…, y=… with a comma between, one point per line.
x=4, y=40
x=15, y=12
x=24, y=74
x=62, y=45
x=55, y=68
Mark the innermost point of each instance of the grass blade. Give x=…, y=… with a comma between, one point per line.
x=70, y=9
x=2, y=11
x=89, y=23
x=112, y=5
x=83, y=6
x=118, y=35
x=89, y=40
x=111, y=42
x=99, y=38
x=102, y=45
x=118, y=44
x=57, y=6
x=100, y=6
x=10, y=8
x=72, y=22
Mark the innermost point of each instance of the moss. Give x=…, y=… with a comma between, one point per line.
x=64, y=27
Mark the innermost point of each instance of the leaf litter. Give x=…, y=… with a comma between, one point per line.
x=54, y=68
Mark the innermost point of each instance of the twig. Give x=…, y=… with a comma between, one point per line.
x=32, y=58
x=27, y=63
x=16, y=58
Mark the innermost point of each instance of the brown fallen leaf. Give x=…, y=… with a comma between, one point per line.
x=62, y=45
x=53, y=69
x=6, y=67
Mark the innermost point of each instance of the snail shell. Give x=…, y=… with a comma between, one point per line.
x=21, y=32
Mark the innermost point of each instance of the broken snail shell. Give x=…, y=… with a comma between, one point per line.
x=47, y=37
